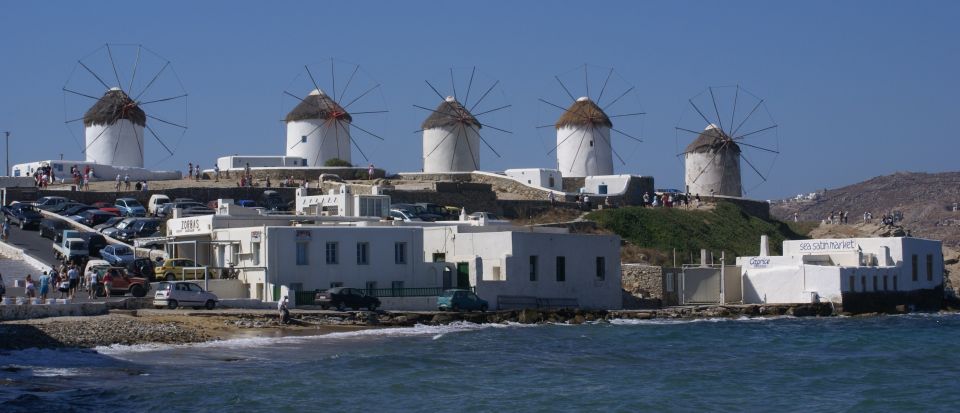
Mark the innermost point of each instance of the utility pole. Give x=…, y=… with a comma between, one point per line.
x=7, y=134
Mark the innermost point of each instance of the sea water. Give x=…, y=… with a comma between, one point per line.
x=887, y=363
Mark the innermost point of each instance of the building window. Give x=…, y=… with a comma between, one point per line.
x=303, y=138
x=400, y=253
x=914, y=266
x=601, y=268
x=561, y=269
x=371, y=287
x=863, y=283
x=439, y=257
x=894, y=283
x=884, y=283
x=336, y=284
x=496, y=274
x=332, y=256
x=363, y=253
x=302, y=256
x=875, y=283
x=533, y=268
x=853, y=283
x=255, y=252
x=929, y=267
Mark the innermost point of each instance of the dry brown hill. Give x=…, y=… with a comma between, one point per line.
x=926, y=200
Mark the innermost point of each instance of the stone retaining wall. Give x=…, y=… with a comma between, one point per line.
x=642, y=285
x=27, y=311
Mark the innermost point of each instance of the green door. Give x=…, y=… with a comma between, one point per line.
x=276, y=292
x=463, y=275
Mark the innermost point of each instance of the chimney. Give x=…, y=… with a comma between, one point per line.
x=764, y=248
x=703, y=257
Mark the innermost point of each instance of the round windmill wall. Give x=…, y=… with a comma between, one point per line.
x=584, y=151
x=452, y=148
x=318, y=141
x=720, y=174
x=116, y=144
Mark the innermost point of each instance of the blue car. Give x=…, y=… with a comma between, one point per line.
x=460, y=300
x=117, y=254
x=130, y=207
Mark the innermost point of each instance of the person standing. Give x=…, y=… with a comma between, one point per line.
x=370, y=172
x=74, y=276
x=551, y=197
x=126, y=182
x=216, y=173
x=283, y=312
x=94, y=284
x=44, y=286
x=107, y=283
x=118, y=183
x=6, y=230
x=189, y=170
x=796, y=217
x=30, y=289
x=196, y=172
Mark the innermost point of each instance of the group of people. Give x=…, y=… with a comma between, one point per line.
x=193, y=172
x=670, y=200
x=125, y=181
x=43, y=176
x=838, y=217
x=66, y=280
x=81, y=179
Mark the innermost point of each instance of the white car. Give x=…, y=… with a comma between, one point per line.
x=403, y=215
x=182, y=293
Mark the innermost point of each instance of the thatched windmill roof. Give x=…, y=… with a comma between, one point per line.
x=711, y=139
x=113, y=106
x=317, y=105
x=584, y=112
x=450, y=113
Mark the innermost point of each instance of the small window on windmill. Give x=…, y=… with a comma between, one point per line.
x=591, y=142
x=303, y=138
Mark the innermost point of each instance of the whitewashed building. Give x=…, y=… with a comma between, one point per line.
x=868, y=274
x=508, y=266
x=451, y=139
x=259, y=161
x=583, y=140
x=318, y=129
x=712, y=164
x=539, y=177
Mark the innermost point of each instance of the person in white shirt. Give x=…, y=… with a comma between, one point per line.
x=284, y=312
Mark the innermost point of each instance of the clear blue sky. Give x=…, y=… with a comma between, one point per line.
x=859, y=89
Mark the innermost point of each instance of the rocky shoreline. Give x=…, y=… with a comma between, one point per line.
x=130, y=327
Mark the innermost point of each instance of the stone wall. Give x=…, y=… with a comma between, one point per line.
x=473, y=200
x=197, y=194
x=642, y=285
x=298, y=173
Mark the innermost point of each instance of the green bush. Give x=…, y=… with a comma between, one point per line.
x=337, y=162
x=725, y=228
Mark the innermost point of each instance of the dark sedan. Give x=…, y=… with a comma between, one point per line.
x=95, y=217
x=24, y=215
x=341, y=298
x=52, y=228
x=75, y=209
x=140, y=228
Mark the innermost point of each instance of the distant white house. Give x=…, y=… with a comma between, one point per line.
x=539, y=177
x=852, y=272
x=255, y=161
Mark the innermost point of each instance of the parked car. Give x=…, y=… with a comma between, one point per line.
x=246, y=203
x=75, y=218
x=155, y=202
x=123, y=283
x=434, y=209
x=106, y=206
x=118, y=254
x=188, y=208
x=23, y=215
x=52, y=228
x=176, y=294
x=418, y=211
x=130, y=207
x=461, y=300
x=94, y=217
x=142, y=267
x=70, y=208
x=108, y=223
x=403, y=215
x=95, y=242
x=273, y=202
x=112, y=231
x=71, y=249
x=175, y=268
x=485, y=215
x=342, y=297
x=139, y=228
x=50, y=202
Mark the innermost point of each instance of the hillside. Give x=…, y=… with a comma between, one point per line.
x=656, y=232
x=926, y=201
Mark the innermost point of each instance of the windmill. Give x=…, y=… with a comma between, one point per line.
x=321, y=125
x=724, y=137
x=583, y=131
x=451, y=133
x=135, y=92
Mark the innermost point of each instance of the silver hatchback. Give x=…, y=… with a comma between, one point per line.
x=181, y=293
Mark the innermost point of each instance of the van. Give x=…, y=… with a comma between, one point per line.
x=155, y=202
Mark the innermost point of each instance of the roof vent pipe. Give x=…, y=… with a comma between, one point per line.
x=764, y=248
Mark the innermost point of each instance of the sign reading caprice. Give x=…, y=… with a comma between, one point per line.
x=829, y=245
x=759, y=262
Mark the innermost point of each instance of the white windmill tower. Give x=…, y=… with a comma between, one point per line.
x=114, y=126
x=451, y=134
x=583, y=131
x=712, y=159
x=320, y=127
